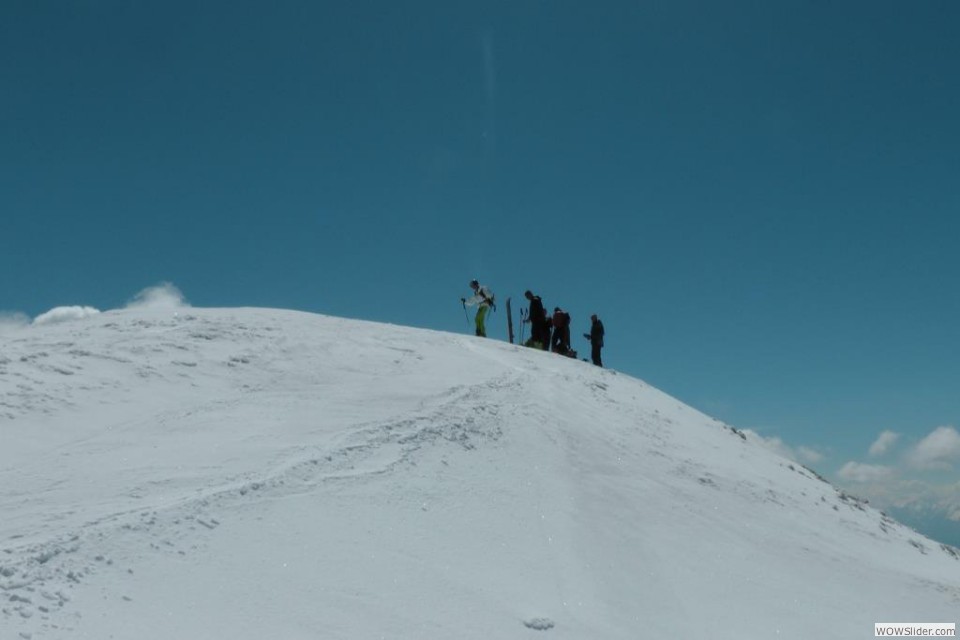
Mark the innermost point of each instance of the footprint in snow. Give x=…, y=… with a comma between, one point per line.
x=538, y=624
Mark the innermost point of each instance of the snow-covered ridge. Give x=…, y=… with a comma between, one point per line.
x=249, y=473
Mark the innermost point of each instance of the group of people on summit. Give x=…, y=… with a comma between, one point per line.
x=546, y=332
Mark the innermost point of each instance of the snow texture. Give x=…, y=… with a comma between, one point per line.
x=246, y=474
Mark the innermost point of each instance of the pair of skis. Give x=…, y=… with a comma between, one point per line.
x=523, y=321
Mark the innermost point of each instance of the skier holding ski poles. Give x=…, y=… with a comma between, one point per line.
x=483, y=300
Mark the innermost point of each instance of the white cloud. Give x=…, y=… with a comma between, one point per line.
x=774, y=444
x=805, y=455
x=64, y=314
x=809, y=455
x=915, y=496
x=162, y=296
x=883, y=443
x=939, y=450
x=858, y=472
x=10, y=321
x=902, y=487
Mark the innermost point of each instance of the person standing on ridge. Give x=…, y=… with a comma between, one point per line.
x=561, y=331
x=483, y=299
x=596, y=339
x=539, y=327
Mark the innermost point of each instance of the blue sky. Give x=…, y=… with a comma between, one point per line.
x=760, y=200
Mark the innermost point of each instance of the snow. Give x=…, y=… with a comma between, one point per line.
x=251, y=473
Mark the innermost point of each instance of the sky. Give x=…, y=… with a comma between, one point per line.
x=758, y=199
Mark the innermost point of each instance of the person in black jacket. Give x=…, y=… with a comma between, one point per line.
x=596, y=339
x=539, y=327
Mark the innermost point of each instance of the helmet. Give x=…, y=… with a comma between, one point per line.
x=474, y=284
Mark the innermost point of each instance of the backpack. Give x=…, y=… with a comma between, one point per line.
x=488, y=299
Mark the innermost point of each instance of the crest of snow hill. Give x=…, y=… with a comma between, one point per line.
x=245, y=473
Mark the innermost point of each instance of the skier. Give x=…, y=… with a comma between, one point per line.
x=483, y=299
x=539, y=328
x=596, y=339
x=561, y=331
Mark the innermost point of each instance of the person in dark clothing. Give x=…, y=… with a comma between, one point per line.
x=596, y=339
x=539, y=327
x=561, y=331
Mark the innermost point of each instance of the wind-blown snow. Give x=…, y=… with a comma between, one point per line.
x=65, y=314
x=248, y=474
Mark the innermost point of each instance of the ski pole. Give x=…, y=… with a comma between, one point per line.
x=465, y=314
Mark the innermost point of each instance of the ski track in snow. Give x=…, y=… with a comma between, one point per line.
x=36, y=579
x=192, y=354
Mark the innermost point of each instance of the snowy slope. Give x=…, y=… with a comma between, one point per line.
x=252, y=474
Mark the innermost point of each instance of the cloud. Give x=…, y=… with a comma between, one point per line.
x=162, y=296
x=64, y=314
x=939, y=450
x=862, y=473
x=10, y=321
x=809, y=455
x=801, y=454
x=905, y=488
x=774, y=444
x=883, y=443
x=890, y=491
